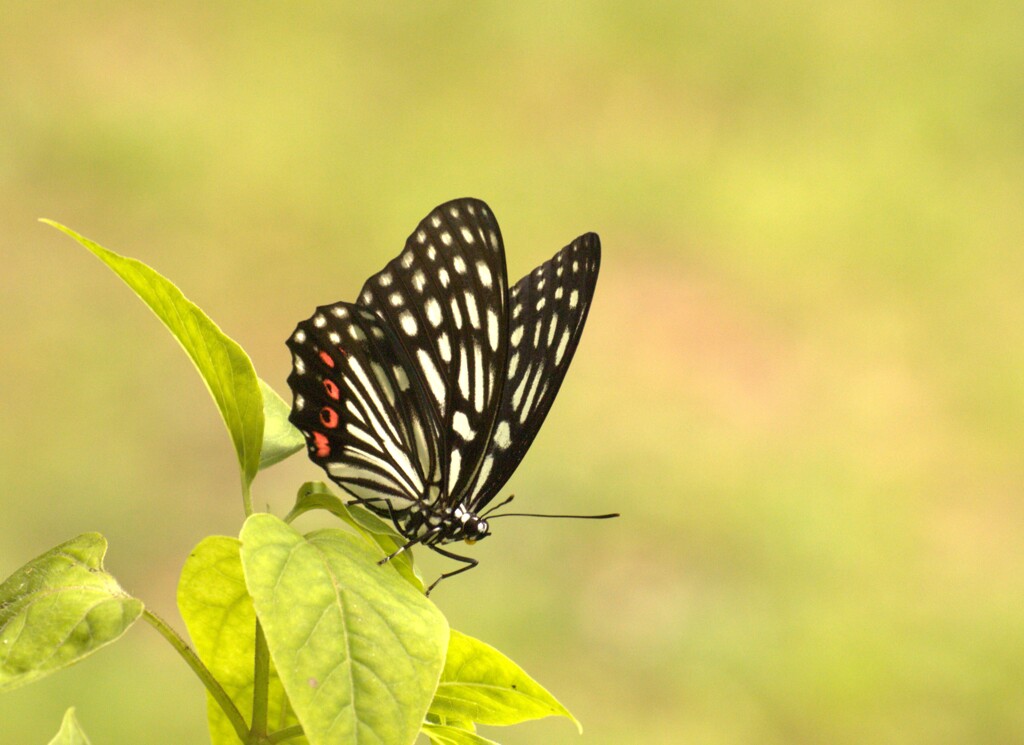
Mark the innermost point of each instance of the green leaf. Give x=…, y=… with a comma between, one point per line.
x=70, y=731
x=358, y=650
x=225, y=368
x=440, y=734
x=58, y=609
x=316, y=495
x=482, y=685
x=218, y=612
x=280, y=438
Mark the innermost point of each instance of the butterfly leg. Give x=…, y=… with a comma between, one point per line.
x=470, y=563
x=425, y=538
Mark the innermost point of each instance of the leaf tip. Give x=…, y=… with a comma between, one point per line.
x=62, y=228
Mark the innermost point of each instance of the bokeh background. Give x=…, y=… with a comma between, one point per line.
x=802, y=381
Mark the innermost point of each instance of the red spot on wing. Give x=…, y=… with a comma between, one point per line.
x=327, y=359
x=323, y=449
x=329, y=417
x=331, y=388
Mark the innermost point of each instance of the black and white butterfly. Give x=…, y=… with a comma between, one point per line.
x=422, y=397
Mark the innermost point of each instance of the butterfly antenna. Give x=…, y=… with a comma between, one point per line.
x=498, y=505
x=569, y=517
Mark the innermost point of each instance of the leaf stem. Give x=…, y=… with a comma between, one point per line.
x=286, y=734
x=260, y=683
x=193, y=661
x=246, y=494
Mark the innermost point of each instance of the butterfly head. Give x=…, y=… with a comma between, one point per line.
x=468, y=527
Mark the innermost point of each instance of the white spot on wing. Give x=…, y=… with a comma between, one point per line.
x=528, y=404
x=455, y=465
x=350, y=404
x=485, y=273
x=456, y=313
x=485, y=469
x=466, y=235
x=562, y=344
x=517, y=396
x=463, y=374
x=408, y=323
x=433, y=309
x=433, y=377
x=459, y=264
x=502, y=435
x=383, y=382
x=401, y=377
x=474, y=317
x=513, y=363
x=460, y=423
x=492, y=329
x=478, y=378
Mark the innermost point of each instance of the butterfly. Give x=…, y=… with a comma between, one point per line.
x=421, y=397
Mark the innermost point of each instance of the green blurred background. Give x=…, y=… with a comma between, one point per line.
x=801, y=381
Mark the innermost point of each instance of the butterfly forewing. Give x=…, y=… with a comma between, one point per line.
x=445, y=299
x=547, y=310
x=356, y=405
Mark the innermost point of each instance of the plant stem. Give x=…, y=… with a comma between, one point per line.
x=246, y=496
x=193, y=661
x=260, y=683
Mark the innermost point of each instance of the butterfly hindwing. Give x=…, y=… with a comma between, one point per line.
x=353, y=402
x=547, y=310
